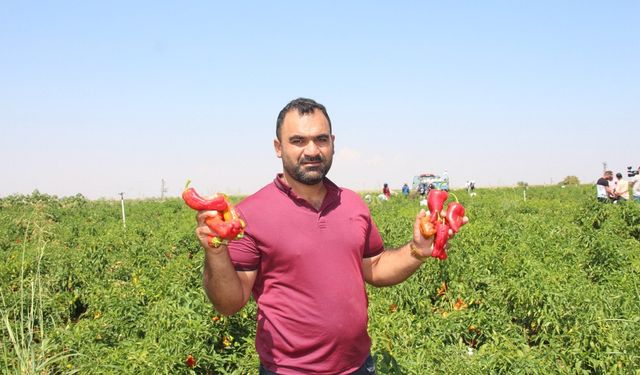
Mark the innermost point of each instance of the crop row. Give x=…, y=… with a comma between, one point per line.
x=546, y=284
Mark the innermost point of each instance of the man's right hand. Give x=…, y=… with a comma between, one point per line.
x=206, y=235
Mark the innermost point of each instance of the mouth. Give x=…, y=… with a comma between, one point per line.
x=311, y=162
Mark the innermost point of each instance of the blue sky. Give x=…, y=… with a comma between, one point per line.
x=106, y=97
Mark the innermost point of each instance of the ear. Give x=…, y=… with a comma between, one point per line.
x=277, y=147
x=333, y=143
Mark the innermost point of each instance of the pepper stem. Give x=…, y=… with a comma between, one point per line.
x=216, y=242
x=186, y=186
x=455, y=197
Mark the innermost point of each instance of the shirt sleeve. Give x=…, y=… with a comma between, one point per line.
x=374, y=244
x=244, y=252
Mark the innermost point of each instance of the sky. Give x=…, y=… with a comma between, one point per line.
x=99, y=98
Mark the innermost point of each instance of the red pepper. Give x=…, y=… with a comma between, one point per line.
x=198, y=203
x=190, y=361
x=455, y=213
x=435, y=202
x=442, y=236
x=226, y=230
x=453, y=219
x=226, y=224
x=427, y=229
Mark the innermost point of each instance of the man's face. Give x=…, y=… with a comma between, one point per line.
x=608, y=176
x=305, y=146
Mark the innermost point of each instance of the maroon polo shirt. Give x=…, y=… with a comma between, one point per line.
x=310, y=289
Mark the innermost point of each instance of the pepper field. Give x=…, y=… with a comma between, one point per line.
x=546, y=285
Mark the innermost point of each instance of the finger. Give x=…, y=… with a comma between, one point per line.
x=465, y=220
x=208, y=238
x=416, y=225
x=202, y=216
x=418, y=238
x=202, y=232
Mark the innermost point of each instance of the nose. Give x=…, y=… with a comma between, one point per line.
x=311, y=149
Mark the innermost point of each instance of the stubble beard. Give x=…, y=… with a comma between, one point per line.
x=308, y=175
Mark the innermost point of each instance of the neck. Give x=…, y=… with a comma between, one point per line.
x=314, y=194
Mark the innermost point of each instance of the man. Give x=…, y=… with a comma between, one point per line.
x=308, y=249
x=622, y=188
x=635, y=186
x=604, y=192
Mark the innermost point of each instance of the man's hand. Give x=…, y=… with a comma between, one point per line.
x=424, y=245
x=207, y=237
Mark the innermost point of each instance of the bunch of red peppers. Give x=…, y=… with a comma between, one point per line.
x=439, y=225
x=226, y=224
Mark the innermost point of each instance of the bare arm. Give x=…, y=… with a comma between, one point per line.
x=228, y=290
x=393, y=266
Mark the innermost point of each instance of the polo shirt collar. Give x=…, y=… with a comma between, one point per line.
x=333, y=191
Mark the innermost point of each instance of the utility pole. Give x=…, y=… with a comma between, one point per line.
x=124, y=219
x=604, y=166
x=163, y=189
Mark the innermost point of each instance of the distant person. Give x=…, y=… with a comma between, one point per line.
x=604, y=193
x=622, y=188
x=445, y=180
x=471, y=186
x=405, y=190
x=422, y=189
x=386, y=191
x=613, y=183
x=635, y=186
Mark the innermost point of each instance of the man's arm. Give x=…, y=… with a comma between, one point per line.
x=394, y=266
x=228, y=290
x=391, y=267
x=610, y=191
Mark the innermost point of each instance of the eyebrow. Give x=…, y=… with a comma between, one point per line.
x=299, y=136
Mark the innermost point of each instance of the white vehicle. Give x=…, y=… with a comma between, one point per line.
x=424, y=182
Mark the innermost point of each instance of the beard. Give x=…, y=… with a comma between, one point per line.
x=308, y=174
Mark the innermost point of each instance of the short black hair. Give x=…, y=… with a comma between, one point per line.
x=304, y=106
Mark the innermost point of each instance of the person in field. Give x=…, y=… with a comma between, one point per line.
x=308, y=249
x=635, y=186
x=406, y=190
x=604, y=193
x=386, y=191
x=622, y=188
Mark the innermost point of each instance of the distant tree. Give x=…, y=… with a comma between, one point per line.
x=570, y=180
x=522, y=184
